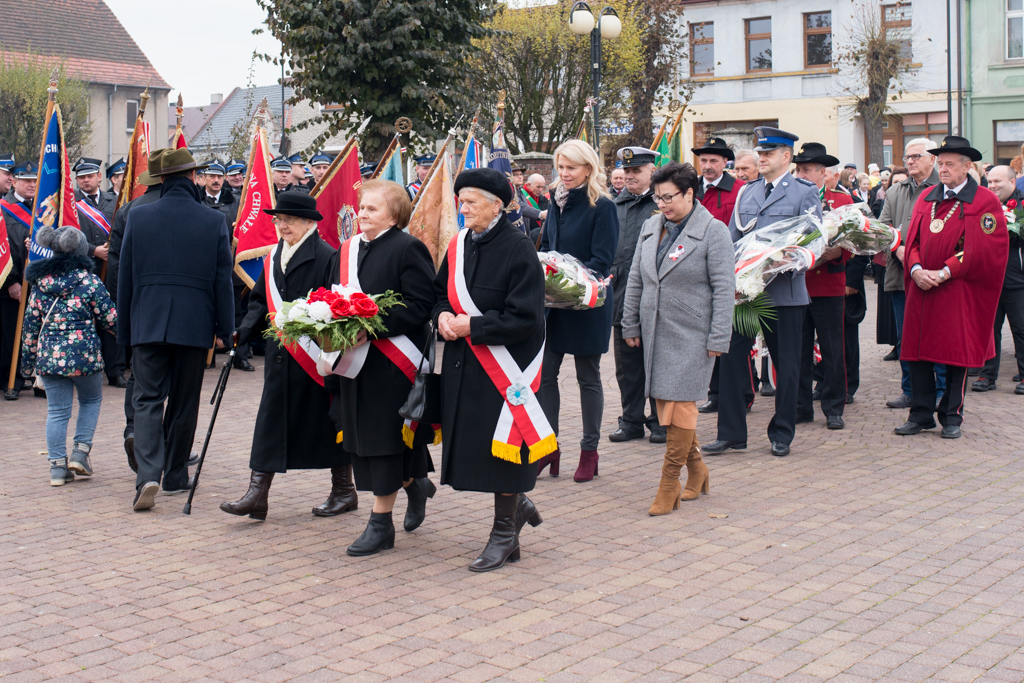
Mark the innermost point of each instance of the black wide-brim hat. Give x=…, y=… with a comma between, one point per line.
x=715, y=146
x=298, y=204
x=487, y=179
x=958, y=145
x=814, y=153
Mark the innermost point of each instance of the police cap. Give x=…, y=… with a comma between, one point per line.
x=772, y=138
x=633, y=157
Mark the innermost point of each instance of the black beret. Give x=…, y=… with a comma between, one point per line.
x=487, y=179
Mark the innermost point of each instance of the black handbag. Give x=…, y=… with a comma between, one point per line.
x=424, y=402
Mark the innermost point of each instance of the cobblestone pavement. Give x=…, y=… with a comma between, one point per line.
x=862, y=556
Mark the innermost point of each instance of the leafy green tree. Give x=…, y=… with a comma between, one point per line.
x=381, y=59
x=23, y=84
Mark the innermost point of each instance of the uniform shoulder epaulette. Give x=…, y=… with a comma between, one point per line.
x=808, y=183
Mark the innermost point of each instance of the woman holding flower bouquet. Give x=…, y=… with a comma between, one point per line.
x=679, y=300
x=583, y=222
x=387, y=261
x=293, y=428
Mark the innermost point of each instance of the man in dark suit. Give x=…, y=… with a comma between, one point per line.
x=17, y=215
x=173, y=297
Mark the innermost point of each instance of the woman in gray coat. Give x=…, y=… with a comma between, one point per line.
x=679, y=300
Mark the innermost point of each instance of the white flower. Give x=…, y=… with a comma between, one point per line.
x=320, y=311
x=298, y=311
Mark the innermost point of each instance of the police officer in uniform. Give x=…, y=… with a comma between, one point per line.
x=775, y=196
x=17, y=213
x=216, y=196
x=634, y=205
x=366, y=170
x=234, y=177
x=318, y=164
x=423, y=165
x=6, y=173
x=115, y=175
x=283, y=178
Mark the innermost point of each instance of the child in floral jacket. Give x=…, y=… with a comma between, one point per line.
x=61, y=345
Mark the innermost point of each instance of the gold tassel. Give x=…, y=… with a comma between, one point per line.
x=437, y=436
x=407, y=435
x=545, y=446
x=338, y=439
x=506, y=452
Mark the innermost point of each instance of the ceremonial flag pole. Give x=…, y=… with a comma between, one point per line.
x=470, y=141
x=433, y=167
x=138, y=156
x=337, y=196
x=178, y=142
x=433, y=220
x=581, y=132
x=255, y=234
x=387, y=161
x=54, y=203
x=500, y=160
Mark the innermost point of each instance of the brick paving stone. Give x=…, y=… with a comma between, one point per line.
x=862, y=556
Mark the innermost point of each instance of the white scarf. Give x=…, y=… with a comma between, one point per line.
x=287, y=250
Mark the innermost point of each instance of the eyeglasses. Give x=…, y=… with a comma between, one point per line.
x=912, y=157
x=664, y=198
x=284, y=220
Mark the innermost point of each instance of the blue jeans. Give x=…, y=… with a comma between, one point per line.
x=59, y=397
x=899, y=305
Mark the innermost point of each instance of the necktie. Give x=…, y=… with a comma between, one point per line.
x=950, y=194
x=767, y=189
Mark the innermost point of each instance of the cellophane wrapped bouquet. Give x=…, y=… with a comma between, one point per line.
x=332, y=318
x=1014, y=213
x=855, y=228
x=570, y=284
x=790, y=245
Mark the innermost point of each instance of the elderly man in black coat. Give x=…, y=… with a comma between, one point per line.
x=173, y=296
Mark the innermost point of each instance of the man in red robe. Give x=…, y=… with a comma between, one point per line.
x=826, y=285
x=719, y=190
x=955, y=260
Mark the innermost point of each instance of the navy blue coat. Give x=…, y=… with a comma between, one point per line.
x=591, y=234
x=174, y=278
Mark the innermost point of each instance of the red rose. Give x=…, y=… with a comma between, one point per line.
x=318, y=295
x=1012, y=204
x=549, y=269
x=331, y=297
x=363, y=306
x=340, y=307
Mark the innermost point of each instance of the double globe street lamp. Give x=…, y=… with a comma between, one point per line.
x=606, y=25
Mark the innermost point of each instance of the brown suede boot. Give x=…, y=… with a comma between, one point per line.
x=697, y=478
x=343, y=497
x=676, y=448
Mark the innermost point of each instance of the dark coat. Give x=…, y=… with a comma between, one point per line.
x=591, y=234
x=174, y=277
x=16, y=236
x=1015, y=263
x=632, y=212
x=227, y=204
x=117, y=235
x=293, y=426
x=506, y=282
x=95, y=235
x=370, y=402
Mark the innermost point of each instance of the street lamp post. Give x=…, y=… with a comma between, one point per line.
x=606, y=25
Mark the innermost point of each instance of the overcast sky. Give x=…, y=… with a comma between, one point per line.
x=209, y=49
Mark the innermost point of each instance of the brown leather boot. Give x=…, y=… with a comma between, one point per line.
x=676, y=448
x=343, y=496
x=254, y=502
x=697, y=477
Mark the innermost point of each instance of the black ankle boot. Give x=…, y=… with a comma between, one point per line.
x=526, y=512
x=343, y=496
x=418, y=492
x=503, y=545
x=254, y=502
x=378, y=535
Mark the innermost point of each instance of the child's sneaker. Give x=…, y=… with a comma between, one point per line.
x=59, y=472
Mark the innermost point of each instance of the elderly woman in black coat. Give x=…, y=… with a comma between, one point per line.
x=490, y=311
x=582, y=221
x=371, y=394
x=293, y=429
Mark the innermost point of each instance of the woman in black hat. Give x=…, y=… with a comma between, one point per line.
x=293, y=428
x=490, y=311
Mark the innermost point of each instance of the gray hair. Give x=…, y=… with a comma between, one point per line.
x=64, y=240
x=924, y=142
x=488, y=196
x=746, y=153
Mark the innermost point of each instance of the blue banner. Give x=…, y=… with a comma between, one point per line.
x=500, y=160
x=54, y=186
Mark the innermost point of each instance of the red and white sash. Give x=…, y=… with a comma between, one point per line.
x=399, y=350
x=522, y=418
x=18, y=211
x=306, y=351
x=94, y=214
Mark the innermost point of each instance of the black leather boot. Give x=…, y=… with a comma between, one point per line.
x=343, y=496
x=418, y=492
x=378, y=535
x=526, y=512
x=254, y=502
x=503, y=545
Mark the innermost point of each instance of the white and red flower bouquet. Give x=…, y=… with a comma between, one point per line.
x=333, y=318
x=1014, y=213
x=854, y=227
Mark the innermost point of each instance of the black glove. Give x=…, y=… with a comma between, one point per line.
x=241, y=335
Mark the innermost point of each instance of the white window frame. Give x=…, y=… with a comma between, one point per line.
x=1013, y=14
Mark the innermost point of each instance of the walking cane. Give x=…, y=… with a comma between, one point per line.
x=218, y=394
